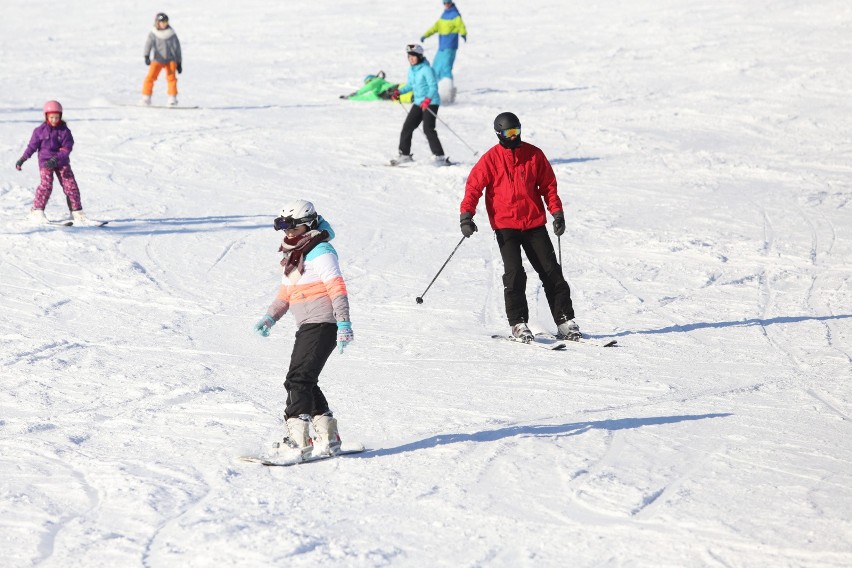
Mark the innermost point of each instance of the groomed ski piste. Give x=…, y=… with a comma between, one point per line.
x=703, y=157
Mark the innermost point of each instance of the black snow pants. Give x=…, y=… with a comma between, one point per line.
x=415, y=116
x=539, y=250
x=314, y=344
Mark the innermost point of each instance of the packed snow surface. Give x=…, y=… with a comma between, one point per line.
x=704, y=157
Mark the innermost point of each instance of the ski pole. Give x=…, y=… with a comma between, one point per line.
x=475, y=153
x=419, y=298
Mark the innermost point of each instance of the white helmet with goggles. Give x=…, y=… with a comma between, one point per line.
x=295, y=213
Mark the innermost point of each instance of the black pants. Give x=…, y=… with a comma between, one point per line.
x=539, y=250
x=415, y=116
x=314, y=344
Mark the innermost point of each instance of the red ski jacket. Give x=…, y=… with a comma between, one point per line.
x=517, y=184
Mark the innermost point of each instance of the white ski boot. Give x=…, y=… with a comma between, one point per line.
x=402, y=159
x=37, y=217
x=81, y=220
x=327, y=440
x=522, y=332
x=172, y=101
x=298, y=438
x=442, y=160
x=568, y=330
x=145, y=101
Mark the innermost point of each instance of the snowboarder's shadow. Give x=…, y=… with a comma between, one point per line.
x=554, y=430
x=722, y=324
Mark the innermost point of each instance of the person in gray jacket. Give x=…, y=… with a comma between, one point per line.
x=164, y=44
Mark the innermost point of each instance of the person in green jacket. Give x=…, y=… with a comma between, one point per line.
x=376, y=88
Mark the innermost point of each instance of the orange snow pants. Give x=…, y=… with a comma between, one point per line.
x=154, y=72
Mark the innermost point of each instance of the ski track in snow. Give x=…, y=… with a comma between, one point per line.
x=701, y=155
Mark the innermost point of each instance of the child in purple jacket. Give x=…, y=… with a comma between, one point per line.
x=53, y=142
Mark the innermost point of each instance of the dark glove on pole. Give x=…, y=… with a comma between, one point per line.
x=179, y=68
x=558, y=223
x=51, y=163
x=468, y=227
x=18, y=164
x=147, y=60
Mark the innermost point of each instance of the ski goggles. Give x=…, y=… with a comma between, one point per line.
x=287, y=223
x=509, y=132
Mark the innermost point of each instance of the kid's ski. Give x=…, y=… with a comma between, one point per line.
x=551, y=344
x=581, y=340
x=347, y=448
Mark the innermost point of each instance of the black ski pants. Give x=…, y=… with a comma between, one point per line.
x=415, y=116
x=314, y=344
x=539, y=250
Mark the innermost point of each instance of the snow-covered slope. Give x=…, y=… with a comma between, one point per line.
x=703, y=154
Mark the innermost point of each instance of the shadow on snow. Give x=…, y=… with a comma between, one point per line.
x=554, y=430
x=722, y=324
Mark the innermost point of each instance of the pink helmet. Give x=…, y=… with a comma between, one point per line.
x=52, y=106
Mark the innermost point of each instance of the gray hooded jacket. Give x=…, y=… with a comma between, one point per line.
x=165, y=44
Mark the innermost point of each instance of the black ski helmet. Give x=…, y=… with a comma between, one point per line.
x=506, y=120
x=161, y=17
x=503, y=121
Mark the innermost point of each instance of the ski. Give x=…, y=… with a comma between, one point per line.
x=60, y=223
x=348, y=448
x=397, y=164
x=551, y=344
x=581, y=340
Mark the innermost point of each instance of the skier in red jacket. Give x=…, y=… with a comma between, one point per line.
x=518, y=183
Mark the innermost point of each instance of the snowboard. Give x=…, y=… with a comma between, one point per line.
x=348, y=448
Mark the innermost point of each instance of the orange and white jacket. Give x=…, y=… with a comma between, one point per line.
x=319, y=294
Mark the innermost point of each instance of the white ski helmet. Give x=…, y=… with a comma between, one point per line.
x=295, y=213
x=414, y=49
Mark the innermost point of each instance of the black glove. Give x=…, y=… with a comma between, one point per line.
x=51, y=163
x=559, y=223
x=179, y=68
x=18, y=164
x=468, y=227
x=147, y=60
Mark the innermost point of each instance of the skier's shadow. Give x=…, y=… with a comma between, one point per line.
x=722, y=324
x=555, y=430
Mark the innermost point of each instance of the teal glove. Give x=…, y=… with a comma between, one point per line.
x=344, y=334
x=264, y=325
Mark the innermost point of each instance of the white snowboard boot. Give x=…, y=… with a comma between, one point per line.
x=172, y=101
x=327, y=440
x=145, y=100
x=522, y=332
x=37, y=217
x=568, y=330
x=298, y=438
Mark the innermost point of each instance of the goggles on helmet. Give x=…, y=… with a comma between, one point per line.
x=287, y=223
x=509, y=132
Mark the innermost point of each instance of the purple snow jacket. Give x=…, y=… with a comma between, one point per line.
x=50, y=142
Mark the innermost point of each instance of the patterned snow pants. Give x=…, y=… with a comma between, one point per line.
x=66, y=180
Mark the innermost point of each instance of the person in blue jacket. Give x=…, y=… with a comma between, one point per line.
x=448, y=27
x=424, y=85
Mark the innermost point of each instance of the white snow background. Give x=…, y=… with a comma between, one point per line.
x=704, y=158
